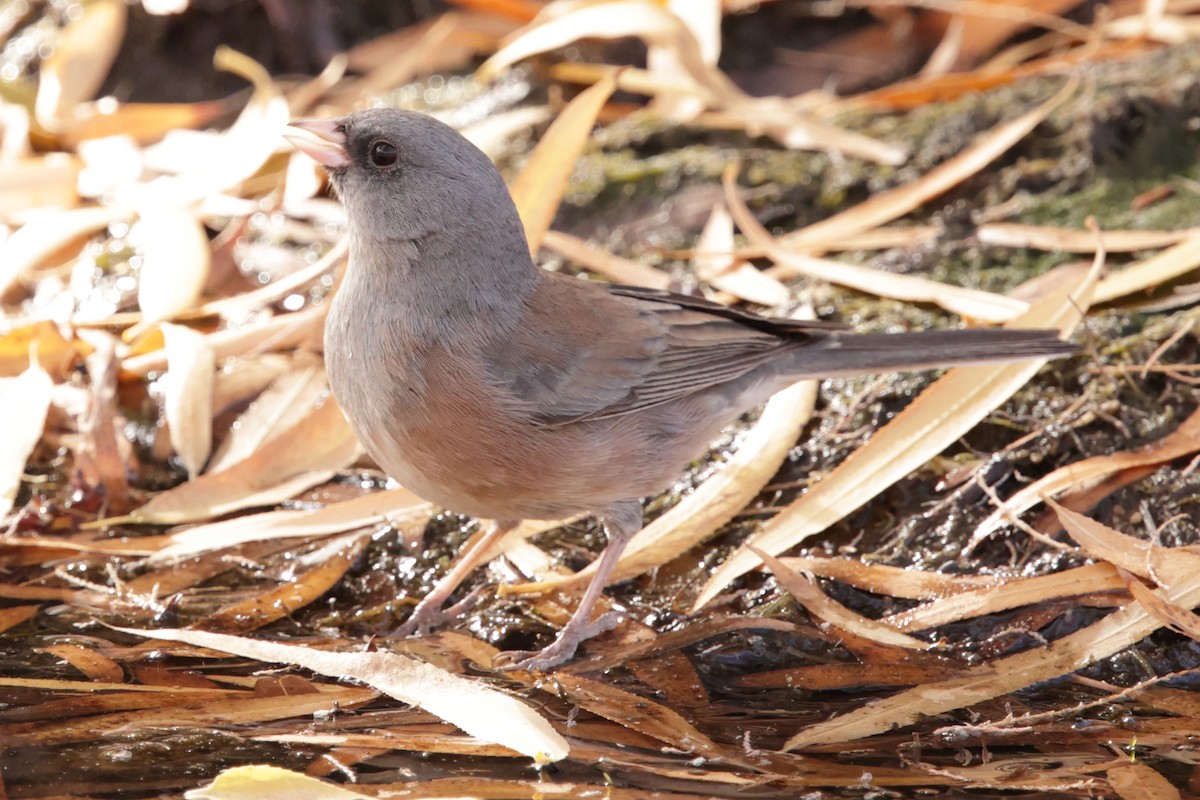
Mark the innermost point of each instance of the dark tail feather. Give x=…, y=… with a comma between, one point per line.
x=853, y=354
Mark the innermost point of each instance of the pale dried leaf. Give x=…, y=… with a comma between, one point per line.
x=973, y=303
x=602, y=262
x=474, y=707
x=950, y=407
x=306, y=455
x=1106, y=544
x=495, y=133
x=187, y=395
x=397, y=508
x=646, y=20
x=702, y=18
x=284, y=403
x=714, y=261
x=408, y=62
x=884, y=207
x=176, y=257
x=265, y=782
x=35, y=183
x=108, y=164
x=47, y=233
x=1044, y=237
x=82, y=56
x=1153, y=272
x=220, y=163
x=275, y=333
x=538, y=189
x=1009, y=594
x=24, y=402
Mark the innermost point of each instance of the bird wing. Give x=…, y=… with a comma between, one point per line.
x=592, y=351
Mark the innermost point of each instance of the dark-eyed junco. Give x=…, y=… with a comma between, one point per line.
x=500, y=390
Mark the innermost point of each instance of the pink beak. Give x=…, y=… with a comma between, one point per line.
x=330, y=150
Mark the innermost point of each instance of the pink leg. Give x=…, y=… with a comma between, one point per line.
x=621, y=523
x=428, y=613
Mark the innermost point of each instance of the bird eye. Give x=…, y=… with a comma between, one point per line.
x=382, y=154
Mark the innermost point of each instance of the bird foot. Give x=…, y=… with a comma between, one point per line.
x=560, y=650
x=429, y=615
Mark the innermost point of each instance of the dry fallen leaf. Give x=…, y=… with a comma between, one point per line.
x=309, y=453
x=82, y=56
x=265, y=782
x=1184, y=440
x=474, y=707
x=1138, y=781
x=974, y=303
x=715, y=262
x=951, y=406
x=175, y=260
x=537, y=191
x=187, y=395
x=886, y=206
x=281, y=405
x=46, y=233
x=396, y=508
x=1177, y=569
x=24, y=402
x=805, y=592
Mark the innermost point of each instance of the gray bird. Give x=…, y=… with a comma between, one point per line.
x=502, y=391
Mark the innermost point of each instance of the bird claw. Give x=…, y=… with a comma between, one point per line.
x=428, y=616
x=559, y=651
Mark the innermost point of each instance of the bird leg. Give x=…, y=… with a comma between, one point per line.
x=429, y=612
x=620, y=525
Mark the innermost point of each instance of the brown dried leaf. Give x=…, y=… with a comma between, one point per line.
x=92, y=663
x=14, y=615
x=1082, y=475
x=221, y=710
x=327, y=566
x=54, y=352
x=1179, y=571
x=306, y=455
x=806, y=593
x=1137, y=781
x=640, y=714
